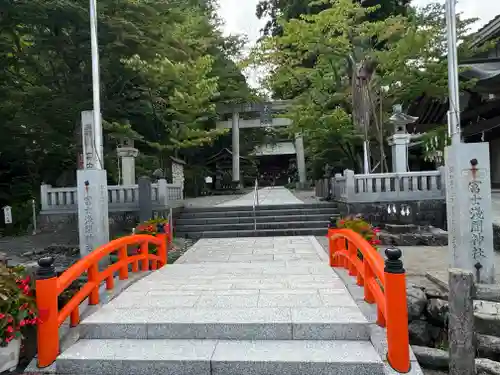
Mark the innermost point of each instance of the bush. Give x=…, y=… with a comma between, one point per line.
x=17, y=305
x=150, y=227
x=364, y=228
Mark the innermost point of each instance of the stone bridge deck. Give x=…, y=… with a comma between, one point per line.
x=249, y=306
x=231, y=306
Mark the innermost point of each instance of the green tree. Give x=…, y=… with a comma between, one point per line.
x=406, y=53
x=287, y=10
x=45, y=82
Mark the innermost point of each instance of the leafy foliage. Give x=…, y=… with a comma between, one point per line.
x=315, y=53
x=359, y=225
x=164, y=67
x=17, y=306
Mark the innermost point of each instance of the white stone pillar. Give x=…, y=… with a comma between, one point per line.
x=92, y=193
x=127, y=156
x=399, y=146
x=93, y=222
x=178, y=175
x=44, y=196
x=469, y=211
x=236, y=146
x=301, y=160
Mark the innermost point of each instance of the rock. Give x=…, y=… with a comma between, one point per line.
x=438, y=334
x=416, y=302
x=419, y=332
x=437, y=310
x=432, y=358
x=436, y=293
x=487, y=367
x=488, y=346
x=487, y=324
x=400, y=228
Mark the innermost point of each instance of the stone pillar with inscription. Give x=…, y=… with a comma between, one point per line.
x=469, y=213
x=92, y=193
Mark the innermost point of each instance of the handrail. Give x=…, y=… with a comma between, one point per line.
x=255, y=203
x=384, y=284
x=49, y=287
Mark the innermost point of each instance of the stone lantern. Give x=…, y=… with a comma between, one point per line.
x=127, y=153
x=400, y=140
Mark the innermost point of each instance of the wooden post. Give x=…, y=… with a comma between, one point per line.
x=163, y=249
x=461, y=322
x=396, y=319
x=48, y=311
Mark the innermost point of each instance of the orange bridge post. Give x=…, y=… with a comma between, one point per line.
x=398, y=353
x=48, y=310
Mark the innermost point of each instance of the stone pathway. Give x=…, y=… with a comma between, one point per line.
x=267, y=196
x=251, y=305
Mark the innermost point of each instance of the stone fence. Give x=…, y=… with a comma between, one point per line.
x=383, y=187
x=121, y=198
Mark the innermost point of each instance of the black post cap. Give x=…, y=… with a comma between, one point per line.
x=332, y=223
x=46, y=269
x=393, y=263
x=160, y=228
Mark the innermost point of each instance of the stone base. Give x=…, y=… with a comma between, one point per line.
x=424, y=213
x=302, y=186
x=64, y=226
x=412, y=235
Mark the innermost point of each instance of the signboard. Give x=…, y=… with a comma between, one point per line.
x=7, y=214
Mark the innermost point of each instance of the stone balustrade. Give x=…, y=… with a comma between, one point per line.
x=384, y=187
x=120, y=197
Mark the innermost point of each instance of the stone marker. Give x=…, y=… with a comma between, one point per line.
x=93, y=222
x=468, y=202
x=92, y=193
x=461, y=322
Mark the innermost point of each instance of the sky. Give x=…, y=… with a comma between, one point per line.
x=239, y=17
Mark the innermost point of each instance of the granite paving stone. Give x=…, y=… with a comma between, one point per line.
x=253, y=306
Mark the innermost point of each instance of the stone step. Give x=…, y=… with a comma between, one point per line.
x=320, y=231
x=249, y=219
x=212, y=357
x=250, y=226
x=268, y=207
x=249, y=213
x=332, y=323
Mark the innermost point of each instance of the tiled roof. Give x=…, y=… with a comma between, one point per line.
x=488, y=31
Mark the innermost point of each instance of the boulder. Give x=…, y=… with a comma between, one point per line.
x=487, y=367
x=437, y=311
x=431, y=358
x=488, y=346
x=420, y=332
x=416, y=301
x=436, y=293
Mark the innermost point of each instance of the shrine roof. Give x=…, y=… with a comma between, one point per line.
x=488, y=31
x=224, y=153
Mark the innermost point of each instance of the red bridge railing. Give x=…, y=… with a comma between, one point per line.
x=49, y=287
x=384, y=284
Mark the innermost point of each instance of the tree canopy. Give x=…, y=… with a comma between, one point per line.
x=313, y=57
x=164, y=68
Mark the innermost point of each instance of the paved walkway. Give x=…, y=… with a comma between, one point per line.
x=267, y=196
x=248, y=280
